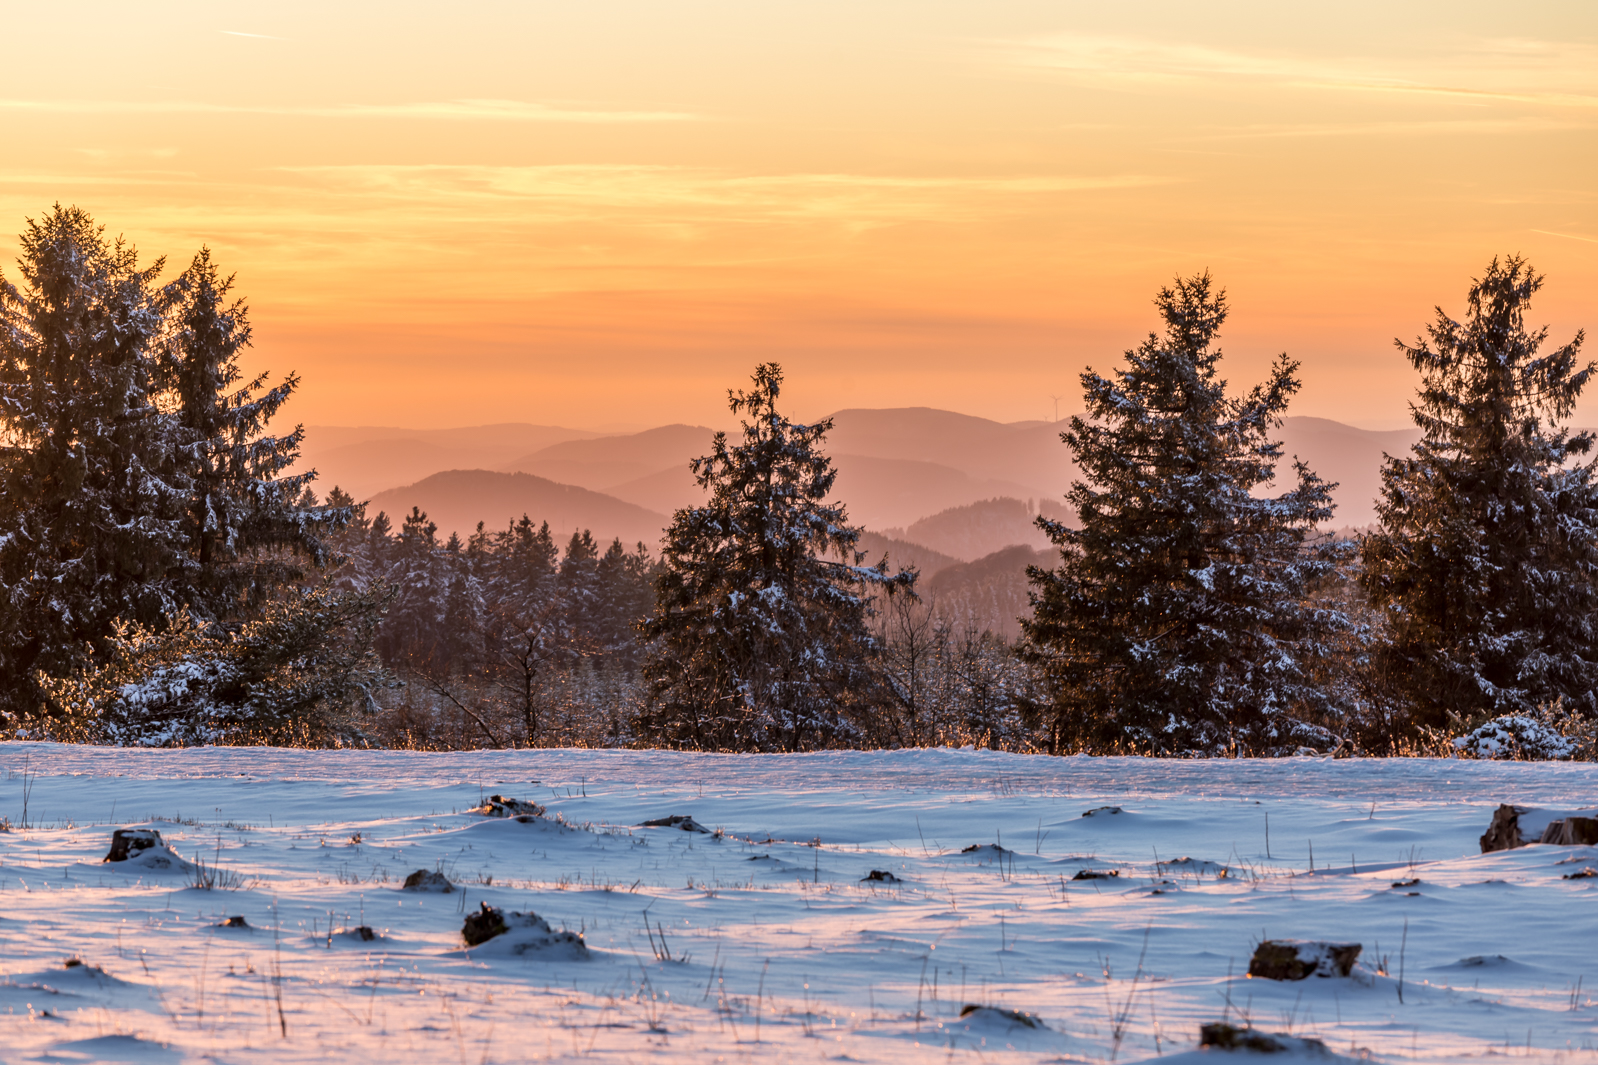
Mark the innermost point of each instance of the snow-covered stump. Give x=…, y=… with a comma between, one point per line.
x=144, y=848
x=1520, y=826
x=1298, y=959
x=126, y=842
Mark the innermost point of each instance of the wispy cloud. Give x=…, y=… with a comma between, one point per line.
x=1526, y=71
x=258, y=36
x=686, y=195
x=470, y=109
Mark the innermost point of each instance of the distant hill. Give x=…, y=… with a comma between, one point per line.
x=990, y=592
x=458, y=499
x=884, y=492
x=365, y=460
x=978, y=529
x=602, y=463
x=1028, y=454
x=1346, y=455
x=896, y=467
x=668, y=490
x=902, y=553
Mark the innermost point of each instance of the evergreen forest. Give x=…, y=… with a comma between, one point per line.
x=168, y=576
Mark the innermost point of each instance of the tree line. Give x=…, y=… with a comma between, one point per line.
x=165, y=580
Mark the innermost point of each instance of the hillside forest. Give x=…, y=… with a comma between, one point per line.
x=1174, y=571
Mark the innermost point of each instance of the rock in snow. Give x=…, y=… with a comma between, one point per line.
x=428, y=880
x=1296, y=959
x=1003, y=1016
x=500, y=806
x=682, y=821
x=1230, y=1037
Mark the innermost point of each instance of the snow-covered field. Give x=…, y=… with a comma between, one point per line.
x=778, y=949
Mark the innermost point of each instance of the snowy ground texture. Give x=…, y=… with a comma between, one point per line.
x=778, y=949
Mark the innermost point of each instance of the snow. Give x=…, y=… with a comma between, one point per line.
x=750, y=943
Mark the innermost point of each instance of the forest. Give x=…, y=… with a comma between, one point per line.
x=165, y=580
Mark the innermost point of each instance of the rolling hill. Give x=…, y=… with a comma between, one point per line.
x=896, y=468
x=602, y=463
x=364, y=460
x=456, y=500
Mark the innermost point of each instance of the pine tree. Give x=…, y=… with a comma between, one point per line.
x=522, y=616
x=625, y=590
x=1174, y=620
x=758, y=640
x=412, y=632
x=246, y=518
x=1486, y=563
x=91, y=496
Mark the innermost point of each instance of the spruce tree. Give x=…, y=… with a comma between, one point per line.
x=759, y=640
x=1174, y=620
x=246, y=518
x=1487, y=557
x=91, y=493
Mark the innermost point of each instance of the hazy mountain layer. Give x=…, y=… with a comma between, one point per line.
x=458, y=499
x=365, y=460
x=898, y=469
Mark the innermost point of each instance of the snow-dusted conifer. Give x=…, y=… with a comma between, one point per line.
x=413, y=628
x=759, y=640
x=1486, y=564
x=246, y=516
x=1175, y=619
x=91, y=499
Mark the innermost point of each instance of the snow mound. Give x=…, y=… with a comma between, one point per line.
x=114, y=1048
x=1484, y=961
x=75, y=984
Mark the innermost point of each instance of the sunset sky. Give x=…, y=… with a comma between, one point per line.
x=603, y=214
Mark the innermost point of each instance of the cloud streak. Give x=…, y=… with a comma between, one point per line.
x=1521, y=71
x=688, y=192
x=467, y=110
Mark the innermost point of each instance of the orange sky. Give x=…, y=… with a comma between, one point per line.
x=602, y=214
